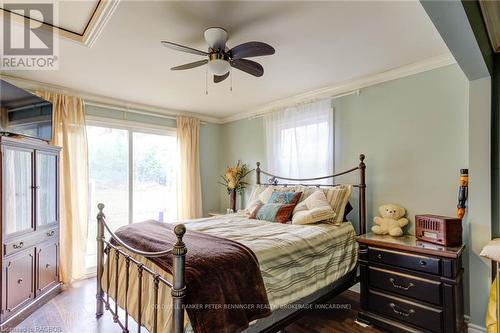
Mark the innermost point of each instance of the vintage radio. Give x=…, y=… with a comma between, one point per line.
x=441, y=230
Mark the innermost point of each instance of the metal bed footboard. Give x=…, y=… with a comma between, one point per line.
x=177, y=286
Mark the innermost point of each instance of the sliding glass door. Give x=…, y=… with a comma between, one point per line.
x=154, y=177
x=133, y=172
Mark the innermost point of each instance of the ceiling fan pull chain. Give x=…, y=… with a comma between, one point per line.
x=231, y=79
x=206, y=81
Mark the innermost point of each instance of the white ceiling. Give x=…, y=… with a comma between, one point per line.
x=317, y=44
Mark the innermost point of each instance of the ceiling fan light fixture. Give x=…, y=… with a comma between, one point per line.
x=216, y=38
x=218, y=66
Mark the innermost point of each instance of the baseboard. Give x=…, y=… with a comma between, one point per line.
x=472, y=328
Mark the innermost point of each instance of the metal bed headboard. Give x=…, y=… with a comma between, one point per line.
x=361, y=186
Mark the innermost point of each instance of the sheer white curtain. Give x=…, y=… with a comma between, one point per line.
x=300, y=140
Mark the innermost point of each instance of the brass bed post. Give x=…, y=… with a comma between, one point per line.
x=179, y=287
x=100, y=260
x=362, y=195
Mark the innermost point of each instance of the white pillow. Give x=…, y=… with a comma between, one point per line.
x=317, y=199
x=337, y=196
x=492, y=250
x=266, y=194
x=317, y=214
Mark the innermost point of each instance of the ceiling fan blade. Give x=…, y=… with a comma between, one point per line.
x=190, y=65
x=220, y=78
x=248, y=66
x=183, y=48
x=251, y=49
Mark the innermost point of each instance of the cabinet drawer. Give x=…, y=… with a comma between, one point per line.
x=405, y=260
x=426, y=317
x=17, y=282
x=17, y=244
x=405, y=285
x=50, y=235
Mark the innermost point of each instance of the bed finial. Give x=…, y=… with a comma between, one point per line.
x=179, y=231
x=100, y=206
x=362, y=157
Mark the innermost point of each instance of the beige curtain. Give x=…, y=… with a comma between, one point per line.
x=69, y=132
x=189, y=184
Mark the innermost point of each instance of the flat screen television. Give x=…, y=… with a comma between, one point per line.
x=23, y=113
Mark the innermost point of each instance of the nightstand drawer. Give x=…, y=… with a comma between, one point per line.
x=405, y=285
x=406, y=260
x=426, y=317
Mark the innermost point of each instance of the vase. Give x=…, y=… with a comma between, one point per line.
x=232, y=200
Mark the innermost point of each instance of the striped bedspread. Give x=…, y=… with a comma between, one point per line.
x=295, y=260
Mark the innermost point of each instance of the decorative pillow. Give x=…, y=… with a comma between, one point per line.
x=317, y=214
x=317, y=199
x=273, y=212
x=491, y=250
x=338, y=197
x=285, y=197
x=262, y=193
x=347, y=210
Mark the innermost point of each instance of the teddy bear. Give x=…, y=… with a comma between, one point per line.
x=391, y=222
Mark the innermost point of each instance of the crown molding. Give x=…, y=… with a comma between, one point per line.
x=106, y=102
x=348, y=87
x=101, y=16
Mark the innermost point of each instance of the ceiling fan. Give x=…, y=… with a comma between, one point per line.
x=220, y=58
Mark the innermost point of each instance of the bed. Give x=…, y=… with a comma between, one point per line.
x=300, y=265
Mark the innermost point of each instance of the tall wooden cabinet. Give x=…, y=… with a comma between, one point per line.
x=30, y=227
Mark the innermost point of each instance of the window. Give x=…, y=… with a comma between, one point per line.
x=133, y=172
x=300, y=141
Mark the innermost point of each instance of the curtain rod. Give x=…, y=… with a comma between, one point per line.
x=128, y=110
x=307, y=101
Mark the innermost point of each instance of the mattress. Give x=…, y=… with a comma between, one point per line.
x=295, y=262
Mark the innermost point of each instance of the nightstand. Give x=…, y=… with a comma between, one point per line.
x=410, y=286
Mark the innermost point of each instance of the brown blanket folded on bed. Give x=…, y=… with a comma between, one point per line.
x=225, y=290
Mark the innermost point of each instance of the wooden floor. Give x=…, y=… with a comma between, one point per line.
x=73, y=311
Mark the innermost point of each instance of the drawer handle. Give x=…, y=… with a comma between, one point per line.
x=379, y=256
x=51, y=233
x=402, y=312
x=47, y=266
x=398, y=286
x=423, y=263
x=19, y=281
x=18, y=245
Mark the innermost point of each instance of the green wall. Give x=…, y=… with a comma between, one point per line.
x=241, y=140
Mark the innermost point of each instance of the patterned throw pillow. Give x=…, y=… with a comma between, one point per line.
x=273, y=212
x=285, y=197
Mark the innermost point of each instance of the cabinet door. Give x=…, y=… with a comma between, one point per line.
x=47, y=262
x=18, y=281
x=46, y=188
x=17, y=190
